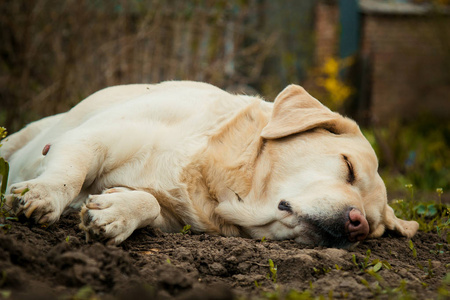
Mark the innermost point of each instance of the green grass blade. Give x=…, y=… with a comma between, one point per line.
x=4, y=171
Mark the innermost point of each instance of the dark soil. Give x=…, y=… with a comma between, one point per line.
x=57, y=263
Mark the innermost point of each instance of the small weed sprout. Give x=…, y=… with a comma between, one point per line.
x=273, y=271
x=444, y=289
x=428, y=270
x=382, y=288
x=5, y=294
x=439, y=249
x=85, y=293
x=410, y=187
x=413, y=249
x=3, y=279
x=293, y=294
x=186, y=229
x=324, y=270
x=371, y=266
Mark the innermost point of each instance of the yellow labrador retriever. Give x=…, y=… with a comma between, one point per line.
x=180, y=153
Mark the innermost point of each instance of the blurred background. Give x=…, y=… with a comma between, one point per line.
x=384, y=63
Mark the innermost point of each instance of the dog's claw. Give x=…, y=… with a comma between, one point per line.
x=43, y=220
x=30, y=209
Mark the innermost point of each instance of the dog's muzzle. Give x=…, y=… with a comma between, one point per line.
x=342, y=230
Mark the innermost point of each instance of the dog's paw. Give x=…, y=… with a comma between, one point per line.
x=35, y=200
x=106, y=217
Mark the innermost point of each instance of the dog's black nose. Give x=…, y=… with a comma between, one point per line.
x=357, y=226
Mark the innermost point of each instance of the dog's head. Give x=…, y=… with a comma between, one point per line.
x=315, y=181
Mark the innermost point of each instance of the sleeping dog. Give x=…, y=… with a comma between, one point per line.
x=179, y=153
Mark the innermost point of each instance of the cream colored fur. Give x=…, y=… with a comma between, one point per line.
x=182, y=153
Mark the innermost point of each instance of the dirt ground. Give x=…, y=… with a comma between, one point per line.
x=57, y=263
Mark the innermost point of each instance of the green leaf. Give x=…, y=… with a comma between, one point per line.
x=387, y=265
x=354, y=260
x=5, y=294
x=411, y=245
x=85, y=292
x=365, y=282
x=186, y=229
x=377, y=267
x=26, y=190
x=432, y=211
x=420, y=209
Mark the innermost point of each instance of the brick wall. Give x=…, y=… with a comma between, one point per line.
x=410, y=66
x=326, y=24
x=408, y=56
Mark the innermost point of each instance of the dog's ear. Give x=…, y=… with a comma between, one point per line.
x=402, y=227
x=296, y=111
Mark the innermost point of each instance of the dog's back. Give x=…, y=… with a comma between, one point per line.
x=182, y=110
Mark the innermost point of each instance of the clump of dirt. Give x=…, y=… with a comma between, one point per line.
x=56, y=262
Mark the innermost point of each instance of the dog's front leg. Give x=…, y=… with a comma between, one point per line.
x=115, y=214
x=68, y=164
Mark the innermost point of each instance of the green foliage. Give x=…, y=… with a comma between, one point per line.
x=273, y=271
x=381, y=288
x=413, y=249
x=420, y=156
x=5, y=294
x=444, y=289
x=371, y=266
x=186, y=229
x=4, y=170
x=4, y=167
x=85, y=293
x=439, y=249
x=431, y=216
x=429, y=272
x=323, y=270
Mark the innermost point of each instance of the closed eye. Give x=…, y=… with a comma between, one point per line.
x=351, y=173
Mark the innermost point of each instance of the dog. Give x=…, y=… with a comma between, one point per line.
x=188, y=153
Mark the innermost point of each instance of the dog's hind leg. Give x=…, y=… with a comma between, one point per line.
x=16, y=141
x=115, y=214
